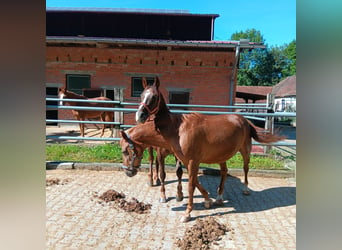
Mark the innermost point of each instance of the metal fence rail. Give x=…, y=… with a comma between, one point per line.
x=263, y=116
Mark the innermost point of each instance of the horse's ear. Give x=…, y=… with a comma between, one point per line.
x=156, y=82
x=144, y=82
x=124, y=135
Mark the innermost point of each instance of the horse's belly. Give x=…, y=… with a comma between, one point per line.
x=216, y=157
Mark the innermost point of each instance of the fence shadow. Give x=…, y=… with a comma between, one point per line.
x=233, y=198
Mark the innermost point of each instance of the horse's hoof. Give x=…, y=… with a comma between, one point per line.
x=246, y=192
x=208, y=203
x=219, y=202
x=162, y=200
x=185, y=218
x=158, y=183
x=179, y=198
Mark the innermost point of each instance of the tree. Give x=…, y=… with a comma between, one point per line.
x=291, y=56
x=264, y=67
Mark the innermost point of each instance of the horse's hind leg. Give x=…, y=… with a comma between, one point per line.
x=220, y=189
x=81, y=127
x=103, y=118
x=179, y=172
x=110, y=117
x=246, y=157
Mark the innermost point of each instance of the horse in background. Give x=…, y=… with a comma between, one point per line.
x=81, y=115
x=197, y=138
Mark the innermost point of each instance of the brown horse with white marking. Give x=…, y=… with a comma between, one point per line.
x=131, y=149
x=81, y=115
x=196, y=138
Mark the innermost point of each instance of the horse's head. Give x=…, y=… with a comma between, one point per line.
x=150, y=101
x=61, y=95
x=131, y=154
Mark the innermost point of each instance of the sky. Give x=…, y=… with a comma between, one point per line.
x=275, y=19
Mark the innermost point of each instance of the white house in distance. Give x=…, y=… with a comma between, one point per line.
x=285, y=95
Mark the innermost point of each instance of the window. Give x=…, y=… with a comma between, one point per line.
x=91, y=93
x=52, y=113
x=137, y=87
x=179, y=98
x=76, y=83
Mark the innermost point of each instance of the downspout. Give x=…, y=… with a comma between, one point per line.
x=233, y=76
x=212, y=29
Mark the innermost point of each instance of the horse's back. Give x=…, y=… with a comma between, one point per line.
x=213, y=137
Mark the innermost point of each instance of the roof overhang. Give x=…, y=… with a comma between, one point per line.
x=107, y=42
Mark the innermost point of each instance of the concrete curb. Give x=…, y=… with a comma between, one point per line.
x=50, y=165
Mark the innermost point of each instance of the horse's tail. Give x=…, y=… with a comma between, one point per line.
x=263, y=137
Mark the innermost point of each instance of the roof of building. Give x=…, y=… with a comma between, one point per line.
x=285, y=88
x=177, y=12
x=254, y=93
x=130, y=23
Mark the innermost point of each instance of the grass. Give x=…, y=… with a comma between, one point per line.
x=112, y=153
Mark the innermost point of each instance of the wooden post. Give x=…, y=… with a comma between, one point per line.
x=269, y=123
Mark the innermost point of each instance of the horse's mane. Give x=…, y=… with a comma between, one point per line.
x=74, y=95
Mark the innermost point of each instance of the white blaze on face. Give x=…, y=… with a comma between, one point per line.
x=137, y=114
x=61, y=96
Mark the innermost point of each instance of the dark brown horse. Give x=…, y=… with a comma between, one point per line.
x=81, y=115
x=131, y=149
x=196, y=138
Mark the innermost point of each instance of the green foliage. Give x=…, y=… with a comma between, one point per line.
x=264, y=67
x=112, y=153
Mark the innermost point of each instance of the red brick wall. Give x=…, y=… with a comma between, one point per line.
x=206, y=73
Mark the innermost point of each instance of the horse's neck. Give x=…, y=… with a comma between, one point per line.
x=148, y=135
x=167, y=122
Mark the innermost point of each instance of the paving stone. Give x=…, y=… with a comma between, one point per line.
x=75, y=220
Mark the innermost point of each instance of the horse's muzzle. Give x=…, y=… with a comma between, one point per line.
x=131, y=173
x=141, y=116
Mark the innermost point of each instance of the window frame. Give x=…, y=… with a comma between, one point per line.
x=136, y=80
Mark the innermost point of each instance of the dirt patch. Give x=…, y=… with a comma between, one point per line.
x=200, y=235
x=56, y=181
x=118, y=199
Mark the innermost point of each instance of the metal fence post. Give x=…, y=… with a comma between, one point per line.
x=269, y=123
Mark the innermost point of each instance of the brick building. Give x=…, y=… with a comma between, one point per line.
x=108, y=51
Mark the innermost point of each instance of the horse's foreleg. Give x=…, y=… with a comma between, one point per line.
x=220, y=189
x=161, y=163
x=156, y=172
x=179, y=172
x=192, y=184
x=150, y=174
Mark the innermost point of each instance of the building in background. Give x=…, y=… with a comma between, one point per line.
x=95, y=52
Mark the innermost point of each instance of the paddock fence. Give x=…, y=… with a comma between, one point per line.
x=261, y=112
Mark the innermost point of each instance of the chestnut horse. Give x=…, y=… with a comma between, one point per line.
x=197, y=138
x=130, y=150
x=81, y=115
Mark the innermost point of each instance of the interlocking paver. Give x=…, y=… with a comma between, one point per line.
x=77, y=220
